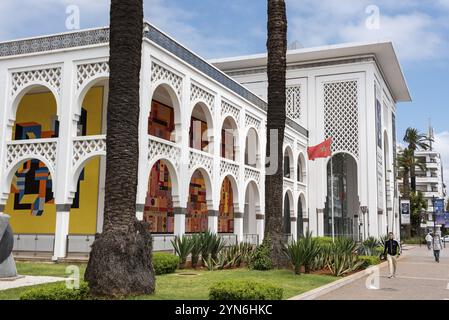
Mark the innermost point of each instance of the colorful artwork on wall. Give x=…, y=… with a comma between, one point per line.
x=158, y=210
x=161, y=121
x=226, y=210
x=197, y=213
x=31, y=202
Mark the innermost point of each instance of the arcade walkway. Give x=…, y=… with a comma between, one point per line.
x=419, y=277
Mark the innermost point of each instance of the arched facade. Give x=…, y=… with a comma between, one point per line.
x=342, y=201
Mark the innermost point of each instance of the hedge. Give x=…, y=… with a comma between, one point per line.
x=244, y=290
x=369, y=261
x=164, y=263
x=57, y=291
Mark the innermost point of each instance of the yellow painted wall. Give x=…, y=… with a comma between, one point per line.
x=40, y=108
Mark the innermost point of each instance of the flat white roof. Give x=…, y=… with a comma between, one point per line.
x=383, y=51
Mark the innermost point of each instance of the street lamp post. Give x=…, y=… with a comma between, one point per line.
x=434, y=216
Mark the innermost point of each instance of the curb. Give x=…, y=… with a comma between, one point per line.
x=315, y=293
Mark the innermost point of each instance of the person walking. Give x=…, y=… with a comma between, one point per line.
x=393, y=251
x=429, y=239
x=437, y=246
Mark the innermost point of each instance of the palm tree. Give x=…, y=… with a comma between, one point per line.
x=120, y=260
x=415, y=142
x=405, y=162
x=276, y=72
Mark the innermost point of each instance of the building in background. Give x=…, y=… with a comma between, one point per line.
x=202, y=141
x=430, y=181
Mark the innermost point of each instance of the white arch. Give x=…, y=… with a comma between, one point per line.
x=303, y=164
x=235, y=190
x=174, y=98
x=12, y=169
x=80, y=166
x=208, y=182
x=86, y=86
x=250, y=219
x=257, y=144
x=173, y=177
x=289, y=151
x=302, y=197
x=22, y=93
x=236, y=135
x=209, y=120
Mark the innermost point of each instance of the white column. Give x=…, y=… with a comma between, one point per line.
x=212, y=221
x=293, y=228
x=145, y=108
x=180, y=221
x=4, y=119
x=62, y=231
x=260, y=226
x=238, y=226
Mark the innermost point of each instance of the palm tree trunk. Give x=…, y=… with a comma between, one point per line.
x=276, y=71
x=120, y=260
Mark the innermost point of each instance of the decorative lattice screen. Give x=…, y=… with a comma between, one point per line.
x=341, y=116
x=293, y=103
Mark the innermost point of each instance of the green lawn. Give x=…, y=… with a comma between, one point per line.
x=184, y=285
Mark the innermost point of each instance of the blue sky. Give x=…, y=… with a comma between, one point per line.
x=216, y=28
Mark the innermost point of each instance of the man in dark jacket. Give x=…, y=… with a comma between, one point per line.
x=393, y=251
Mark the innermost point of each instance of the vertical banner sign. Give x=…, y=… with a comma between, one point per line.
x=393, y=128
x=446, y=219
x=439, y=211
x=405, y=211
x=379, y=153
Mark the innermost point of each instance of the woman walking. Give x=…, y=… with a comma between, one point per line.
x=437, y=247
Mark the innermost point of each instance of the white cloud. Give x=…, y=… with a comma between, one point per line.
x=416, y=33
x=441, y=145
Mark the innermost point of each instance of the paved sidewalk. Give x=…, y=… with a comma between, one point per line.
x=28, y=281
x=419, y=277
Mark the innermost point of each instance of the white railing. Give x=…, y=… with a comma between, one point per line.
x=229, y=166
x=32, y=148
x=200, y=158
x=87, y=146
x=158, y=147
x=252, y=173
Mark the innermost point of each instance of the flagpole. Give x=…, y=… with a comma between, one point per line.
x=332, y=199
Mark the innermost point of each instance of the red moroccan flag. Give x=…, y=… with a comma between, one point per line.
x=322, y=150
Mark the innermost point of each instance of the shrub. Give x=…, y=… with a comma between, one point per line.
x=164, y=263
x=261, y=257
x=324, y=240
x=183, y=247
x=415, y=240
x=369, y=261
x=244, y=290
x=57, y=291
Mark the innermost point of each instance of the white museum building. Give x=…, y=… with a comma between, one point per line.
x=202, y=141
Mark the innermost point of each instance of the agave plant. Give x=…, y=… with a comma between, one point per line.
x=342, y=263
x=183, y=247
x=369, y=247
x=303, y=252
x=321, y=260
x=311, y=249
x=210, y=263
x=344, y=245
x=196, y=249
x=212, y=244
x=294, y=253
